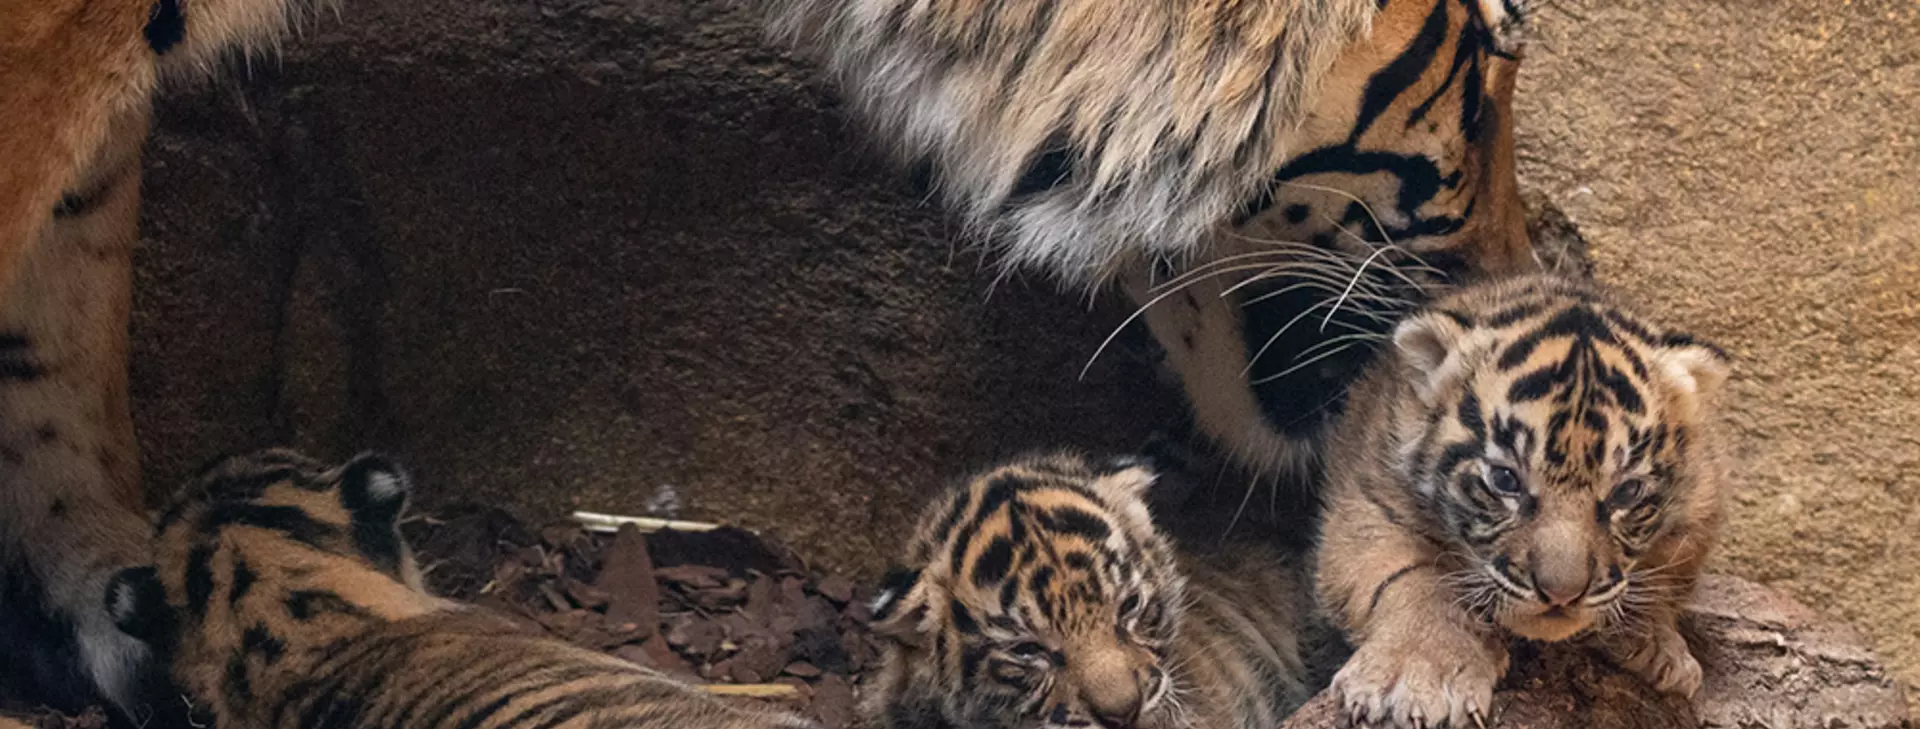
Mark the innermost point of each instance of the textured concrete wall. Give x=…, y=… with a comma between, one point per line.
x=561, y=253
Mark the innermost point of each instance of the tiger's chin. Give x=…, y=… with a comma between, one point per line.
x=1549, y=624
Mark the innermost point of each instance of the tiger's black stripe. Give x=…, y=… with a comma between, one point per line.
x=16, y=359
x=166, y=26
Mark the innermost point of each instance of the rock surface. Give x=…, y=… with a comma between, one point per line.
x=1770, y=663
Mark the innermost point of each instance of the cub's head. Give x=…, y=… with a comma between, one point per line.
x=1563, y=444
x=1037, y=594
x=264, y=546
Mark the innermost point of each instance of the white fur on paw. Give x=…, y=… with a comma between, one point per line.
x=384, y=486
x=1417, y=687
x=113, y=659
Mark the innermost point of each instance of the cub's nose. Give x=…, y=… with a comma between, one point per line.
x=1562, y=570
x=1560, y=590
x=1106, y=676
x=1116, y=703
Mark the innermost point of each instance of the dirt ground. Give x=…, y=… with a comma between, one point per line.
x=618, y=255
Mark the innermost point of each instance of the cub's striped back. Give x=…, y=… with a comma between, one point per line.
x=285, y=597
x=1040, y=594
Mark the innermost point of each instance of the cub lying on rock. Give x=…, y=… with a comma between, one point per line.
x=1527, y=459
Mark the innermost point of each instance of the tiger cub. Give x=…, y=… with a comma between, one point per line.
x=1040, y=594
x=1527, y=459
x=285, y=597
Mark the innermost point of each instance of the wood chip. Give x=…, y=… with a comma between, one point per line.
x=693, y=576
x=693, y=635
x=833, y=701
x=836, y=588
x=568, y=624
x=627, y=578
x=802, y=669
x=725, y=605
x=759, y=659
x=635, y=654
x=585, y=595
x=558, y=602
x=667, y=661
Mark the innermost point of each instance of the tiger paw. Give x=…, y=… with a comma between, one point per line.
x=1664, y=661
x=1434, y=681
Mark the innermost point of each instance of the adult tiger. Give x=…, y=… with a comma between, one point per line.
x=76, y=77
x=1301, y=171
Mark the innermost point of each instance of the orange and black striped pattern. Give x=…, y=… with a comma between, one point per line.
x=284, y=597
x=1041, y=594
x=1533, y=459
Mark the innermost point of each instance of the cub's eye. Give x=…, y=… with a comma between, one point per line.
x=1628, y=493
x=1011, y=673
x=1027, y=651
x=1504, y=481
x=1129, y=606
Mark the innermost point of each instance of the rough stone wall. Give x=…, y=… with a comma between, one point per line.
x=564, y=253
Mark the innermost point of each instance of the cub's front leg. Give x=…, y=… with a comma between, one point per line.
x=1419, y=666
x=1661, y=657
x=1419, y=660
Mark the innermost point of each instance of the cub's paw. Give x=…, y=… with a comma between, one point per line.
x=1664, y=661
x=1435, y=681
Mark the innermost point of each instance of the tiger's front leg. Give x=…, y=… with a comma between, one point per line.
x=71, y=512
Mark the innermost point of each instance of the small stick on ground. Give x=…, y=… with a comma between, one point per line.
x=610, y=523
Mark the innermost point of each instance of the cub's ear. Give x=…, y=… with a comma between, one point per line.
x=1170, y=465
x=1135, y=474
x=1426, y=342
x=900, y=608
x=1161, y=453
x=374, y=490
x=138, y=603
x=1696, y=367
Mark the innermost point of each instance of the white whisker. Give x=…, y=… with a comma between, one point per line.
x=1252, y=485
x=1360, y=336
x=1137, y=313
x=1300, y=366
x=1364, y=207
x=1357, y=275
x=1268, y=272
x=1333, y=275
x=1202, y=269
x=1276, y=337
